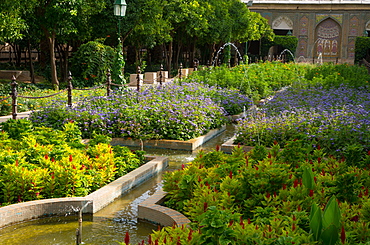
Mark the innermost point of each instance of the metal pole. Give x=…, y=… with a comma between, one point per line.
x=78, y=237
x=180, y=72
x=70, y=89
x=14, y=95
x=195, y=65
x=160, y=75
x=109, y=81
x=138, y=78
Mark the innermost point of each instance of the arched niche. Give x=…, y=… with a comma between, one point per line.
x=282, y=25
x=328, y=38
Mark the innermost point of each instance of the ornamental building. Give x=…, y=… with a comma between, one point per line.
x=325, y=30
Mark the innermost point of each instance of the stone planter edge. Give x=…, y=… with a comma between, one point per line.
x=25, y=211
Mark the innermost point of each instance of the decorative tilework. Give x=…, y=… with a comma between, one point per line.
x=337, y=17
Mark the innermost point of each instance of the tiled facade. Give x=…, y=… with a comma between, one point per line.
x=323, y=28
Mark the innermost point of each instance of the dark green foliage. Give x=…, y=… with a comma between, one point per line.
x=90, y=64
x=362, y=46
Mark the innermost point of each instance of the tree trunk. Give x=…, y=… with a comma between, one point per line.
x=32, y=70
x=170, y=53
x=54, y=76
x=177, y=56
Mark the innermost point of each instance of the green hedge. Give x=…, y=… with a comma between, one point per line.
x=362, y=46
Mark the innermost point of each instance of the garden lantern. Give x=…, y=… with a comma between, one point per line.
x=120, y=8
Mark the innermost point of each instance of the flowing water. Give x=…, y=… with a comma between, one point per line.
x=109, y=225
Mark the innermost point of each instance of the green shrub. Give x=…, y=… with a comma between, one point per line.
x=46, y=163
x=91, y=62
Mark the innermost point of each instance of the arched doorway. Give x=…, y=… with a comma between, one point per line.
x=328, y=36
x=282, y=26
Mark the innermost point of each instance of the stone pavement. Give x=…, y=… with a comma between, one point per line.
x=19, y=115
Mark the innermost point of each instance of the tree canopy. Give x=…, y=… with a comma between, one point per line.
x=173, y=25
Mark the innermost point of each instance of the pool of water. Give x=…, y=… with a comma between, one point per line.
x=109, y=225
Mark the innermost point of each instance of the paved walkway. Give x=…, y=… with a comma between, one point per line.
x=19, y=115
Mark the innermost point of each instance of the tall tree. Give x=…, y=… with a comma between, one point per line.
x=57, y=18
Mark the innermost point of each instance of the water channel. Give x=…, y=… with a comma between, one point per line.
x=109, y=225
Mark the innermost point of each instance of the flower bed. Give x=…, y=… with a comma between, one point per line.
x=39, y=163
x=336, y=119
x=169, y=112
x=269, y=197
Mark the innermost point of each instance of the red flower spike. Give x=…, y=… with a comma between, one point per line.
x=182, y=166
x=256, y=227
x=256, y=168
x=275, y=142
x=190, y=236
x=127, y=238
x=274, y=194
x=150, y=240
x=343, y=235
x=323, y=172
x=319, y=147
x=156, y=242
x=231, y=222
x=178, y=241
x=199, y=179
x=52, y=159
x=46, y=156
x=299, y=208
x=360, y=195
x=249, y=220
x=295, y=183
x=284, y=186
x=315, y=179
x=73, y=166
x=217, y=147
x=269, y=155
x=319, y=160
x=165, y=240
x=268, y=195
x=293, y=227
x=205, y=206
x=311, y=193
x=366, y=192
x=290, y=176
x=16, y=163
x=231, y=174
x=70, y=158
x=270, y=229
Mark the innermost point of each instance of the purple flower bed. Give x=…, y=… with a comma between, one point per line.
x=171, y=112
x=337, y=119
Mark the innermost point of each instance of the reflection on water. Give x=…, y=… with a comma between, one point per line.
x=109, y=225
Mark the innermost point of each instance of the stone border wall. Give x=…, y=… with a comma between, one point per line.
x=151, y=210
x=228, y=146
x=95, y=201
x=188, y=145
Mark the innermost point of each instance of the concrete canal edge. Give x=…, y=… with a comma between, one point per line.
x=152, y=210
x=97, y=200
x=188, y=145
x=229, y=146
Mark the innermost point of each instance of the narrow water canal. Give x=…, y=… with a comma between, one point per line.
x=109, y=225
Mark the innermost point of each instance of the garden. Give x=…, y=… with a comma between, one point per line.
x=305, y=182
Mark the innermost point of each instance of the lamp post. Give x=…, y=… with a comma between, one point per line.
x=120, y=11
